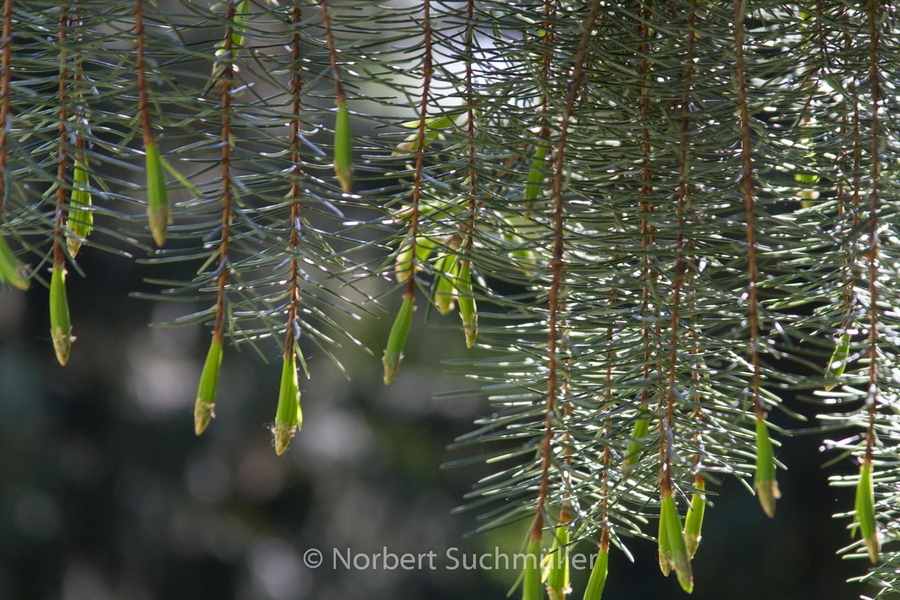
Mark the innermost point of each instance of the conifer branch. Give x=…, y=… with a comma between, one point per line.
x=206, y=393
x=401, y=325
x=558, y=268
x=471, y=327
x=875, y=10
x=157, y=196
x=766, y=485
x=59, y=259
x=60, y=323
x=285, y=431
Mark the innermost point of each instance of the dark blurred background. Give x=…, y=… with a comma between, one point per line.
x=107, y=494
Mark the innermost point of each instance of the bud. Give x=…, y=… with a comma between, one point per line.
x=675, y=541
x=157, y=196
x=209, y=382
x=12, y=271
x=865, y=511
x=241, y=14
x=558, y=573
x=693, y=522
x=434, y=127
x=467, y=309
x=838, y=361
x=403, y=265
x=60, y=322
x=342, y=148
x=766, y=485
x=665, y=552
x=397, y=339
x=597, y=581
x=641, y=429
x=531, y=576
x=79, y=222
x=536, y=175
x=288, y=417
x=445, y=271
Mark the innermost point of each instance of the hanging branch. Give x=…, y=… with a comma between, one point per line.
x=288, y=417
x=557, y=266
x=343, y=168
x=646, y=231
x=864, y=493
x=766, y=485
x=157, y=195
x=694, y=520
x=467, y=309
x=80, y=218
x=60, y=322
x=840, y=357
x=11, y=269
x=539, y=164
x=209, y=378
x=597, y=580
x=400, y=329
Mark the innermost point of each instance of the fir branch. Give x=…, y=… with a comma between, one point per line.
x=285, y=431
x=875, y=10
x=227, y=83
x=471, y=329
x=748, y=192
x=157, y=196
x=339, y=97
x=557, y=266
x=678, y=281
x=143, y=95
x=865, y=509
x=206, y=394
x=59, y=258
x=766, y=485
x=399, y=331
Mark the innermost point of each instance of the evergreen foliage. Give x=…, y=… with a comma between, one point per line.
x=655, y=219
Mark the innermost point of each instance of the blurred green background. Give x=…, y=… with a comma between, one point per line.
x=107, y=494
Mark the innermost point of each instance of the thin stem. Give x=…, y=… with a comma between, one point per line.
x=427, y=72
x=59, y=257
x=875, y=11
x=680, y=264
x=646, y=230
x=607, y=424
x=332, y=55
x=296, y=173
x=470, y=133
x=748, y=192
x=143, y=97
x=558, y=265
x=226, y=81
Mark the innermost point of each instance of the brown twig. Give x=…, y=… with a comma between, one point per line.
x=296, y=173
x=143, y=96
x=59, y=257
x=558, y=266
x=748, y=191
x=427, y=72
x=226, y=81
x=875, y=10
x=332, y=55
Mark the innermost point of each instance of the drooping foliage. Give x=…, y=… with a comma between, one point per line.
x=655, y=220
